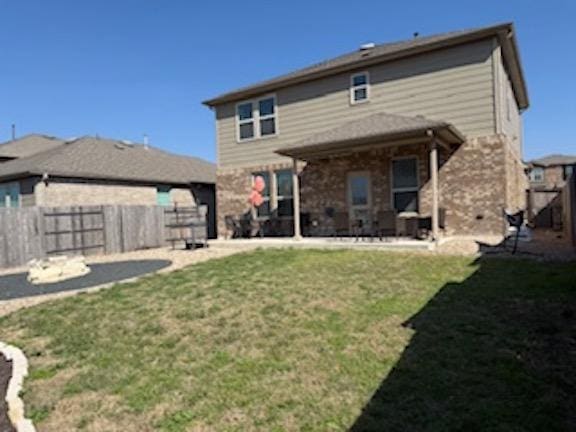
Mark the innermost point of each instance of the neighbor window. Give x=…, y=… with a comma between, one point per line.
x=405, y=184
x=359, y=87
x=163, y=196
x=284, y=194
x=537, y=175
x=263, y=211
x=10, y=195
x=256, y=119
x=568, y=171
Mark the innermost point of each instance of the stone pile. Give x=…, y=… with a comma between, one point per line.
x=56, y=269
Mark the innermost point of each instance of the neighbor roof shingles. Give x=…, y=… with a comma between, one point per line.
x=555, y=159
x=28, y=145
x=378, y=125
x=97, y=158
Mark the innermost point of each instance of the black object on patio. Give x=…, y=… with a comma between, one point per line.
x=515, y=220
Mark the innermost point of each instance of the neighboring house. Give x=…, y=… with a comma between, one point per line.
x=420, y=125
x=45, y=171
x=548, y=177
x=551, y=171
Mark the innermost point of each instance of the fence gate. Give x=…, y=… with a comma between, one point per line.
x=74, y=230
x=186, y=224
x=545, y=208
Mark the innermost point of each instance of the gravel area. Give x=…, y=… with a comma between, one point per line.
x=178, y=259
x=5, y=374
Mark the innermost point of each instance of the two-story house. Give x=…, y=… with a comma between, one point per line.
x=547, y=201
x=426, y=126
x=551, y=172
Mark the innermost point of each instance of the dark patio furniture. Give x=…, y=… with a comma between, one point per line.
x=341, y=224
x=306, y=223
x=425, y=223
x=273, y=226
x=407, y=224
x=233, y=226
x=250, y=226
x=385, y=224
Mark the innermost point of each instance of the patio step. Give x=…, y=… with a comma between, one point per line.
x=326, y=243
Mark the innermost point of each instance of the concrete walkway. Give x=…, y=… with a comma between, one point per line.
x=391, y=244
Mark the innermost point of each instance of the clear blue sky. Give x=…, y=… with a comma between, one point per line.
x=123, y=68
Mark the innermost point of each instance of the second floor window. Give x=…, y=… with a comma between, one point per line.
x=568, y=171
x=359, y=88
x=257, y=118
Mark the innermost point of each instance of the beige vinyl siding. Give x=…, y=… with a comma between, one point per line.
x=511, y=127
x=454, y=85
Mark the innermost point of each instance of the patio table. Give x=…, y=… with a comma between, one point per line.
x=408, y=224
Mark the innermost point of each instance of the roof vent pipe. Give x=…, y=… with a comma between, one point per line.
x=146, y=141
x=367, y=46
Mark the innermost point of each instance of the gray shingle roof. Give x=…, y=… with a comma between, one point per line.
x=555, y=159
x=28, y=145
x=98, y=158
x=361, y=58
x=370, y=128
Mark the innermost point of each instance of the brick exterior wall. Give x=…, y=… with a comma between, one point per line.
x=233, y=187
x=324, y=182
x=553, y=177
x=63, y=192
x=476, y=181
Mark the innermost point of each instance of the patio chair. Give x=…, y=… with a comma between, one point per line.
x=233, y=227
x=341, y=224
x=385, y=224
x=306, y=223
x=425, y=223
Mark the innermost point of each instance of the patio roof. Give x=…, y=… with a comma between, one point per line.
x=376, y=130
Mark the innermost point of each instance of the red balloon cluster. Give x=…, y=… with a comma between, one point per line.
x=255, y=197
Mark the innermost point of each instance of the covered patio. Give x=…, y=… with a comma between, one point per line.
x=375, y=178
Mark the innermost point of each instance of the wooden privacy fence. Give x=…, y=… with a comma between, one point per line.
x=37, y=232
x=570, y=208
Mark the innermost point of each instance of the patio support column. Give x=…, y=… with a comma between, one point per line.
x=435, y=192
x=296, y=195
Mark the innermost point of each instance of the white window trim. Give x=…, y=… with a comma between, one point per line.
x=256, y=118
x=394, y=190
x=533, y=176
x=245, y=121
x=363, y=86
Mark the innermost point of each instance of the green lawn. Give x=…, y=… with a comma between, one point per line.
x=293, y=340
